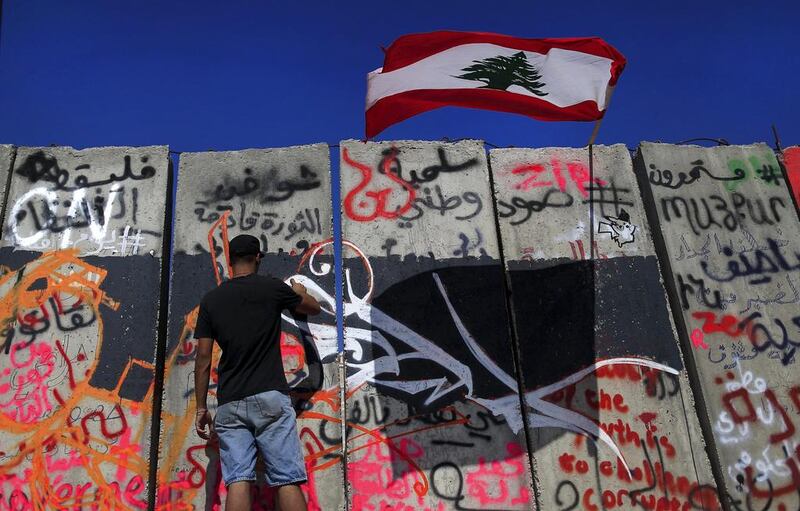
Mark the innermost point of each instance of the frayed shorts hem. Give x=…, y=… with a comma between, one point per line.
x=281, y=483
x=250, y=479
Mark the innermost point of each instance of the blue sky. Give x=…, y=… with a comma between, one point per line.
x=233, y=74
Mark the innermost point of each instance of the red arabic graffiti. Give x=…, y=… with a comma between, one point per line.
x=363, y=205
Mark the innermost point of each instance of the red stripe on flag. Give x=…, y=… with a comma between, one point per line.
x=410, y=48
x=399, y=107
x=791, y=159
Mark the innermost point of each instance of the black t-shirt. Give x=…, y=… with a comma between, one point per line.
x=243, y=314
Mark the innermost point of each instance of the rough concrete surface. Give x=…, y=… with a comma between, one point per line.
x=79, y=298
x=732, y=239
x=262, y=189
x=281, y=196
x=433, y=415
x=440, y=337
x=7, y=153
x=412, y=194
x=543, y=203
x=595, y=335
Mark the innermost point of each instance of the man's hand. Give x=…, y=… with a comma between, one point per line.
x=309, y=306
x=202, y=421
x=298, y=287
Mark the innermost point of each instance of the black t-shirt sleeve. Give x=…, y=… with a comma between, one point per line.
x=286, y=297
x=204, y=328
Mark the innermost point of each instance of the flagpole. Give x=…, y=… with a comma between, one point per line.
x=592, y=137
x=591, y=194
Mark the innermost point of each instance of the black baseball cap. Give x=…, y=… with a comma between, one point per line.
x=244, y=245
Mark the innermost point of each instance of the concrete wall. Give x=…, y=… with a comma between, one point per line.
x=595, y=335
x=445, y=326
x=79, y=300
x=791, y=161
x=433, y=417
x=732, y=244
x=283, y=197
x=7, y=153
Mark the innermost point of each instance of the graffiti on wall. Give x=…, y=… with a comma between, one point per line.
x=63, y=210
x=434, y=414
x=433, y=417
x=75, y=399
x=595, y=335
x=731, y=234
x=537, y=186
x=262, y=193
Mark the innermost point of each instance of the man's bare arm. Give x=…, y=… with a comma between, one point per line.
x=309, y=306
x=202, y=373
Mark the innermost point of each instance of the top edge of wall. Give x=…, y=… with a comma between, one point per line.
x=422, y=142
x=695, y=146
x=569, y=148
x=258, y=149
x=23, y=148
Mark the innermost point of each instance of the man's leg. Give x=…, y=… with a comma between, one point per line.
x=291, y=498
x=237, y=453
x=239, y=497
x=280, y=447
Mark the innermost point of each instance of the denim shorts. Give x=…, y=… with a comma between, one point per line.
x=264, y=423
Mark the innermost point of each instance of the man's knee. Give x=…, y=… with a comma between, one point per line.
x=291, y=498
x=239, y=496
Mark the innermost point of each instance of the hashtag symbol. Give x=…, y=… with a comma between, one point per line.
x=608, y=195
x=132, y=242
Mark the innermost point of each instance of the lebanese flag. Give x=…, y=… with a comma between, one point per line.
x=547, y=79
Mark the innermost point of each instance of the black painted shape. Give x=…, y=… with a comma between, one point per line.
x=130, y=331
x=477, y=297
x=572, y=314
x=632, y=311
x=554, y=315
x=136, y=383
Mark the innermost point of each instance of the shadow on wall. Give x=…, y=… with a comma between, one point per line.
x=444, y=393
x=599, y=360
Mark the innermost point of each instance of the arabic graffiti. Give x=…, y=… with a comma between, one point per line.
x=357, y=202
x=390, y=194
x=307, y=220
x=428, y=174
x=735, y=263
x=267, y=186
x=437, y=201
x=764, y=264
x=531, y=206
x=558, y=191
x=40, y=167
x=768, y=172
x=665, y=177
x=99, y=216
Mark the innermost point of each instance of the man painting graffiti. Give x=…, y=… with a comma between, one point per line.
x=254, y=411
